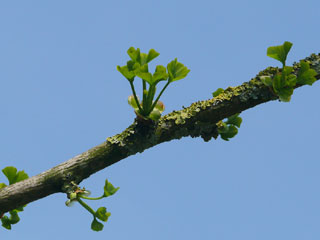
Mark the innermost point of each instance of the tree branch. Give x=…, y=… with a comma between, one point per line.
x=198, y=120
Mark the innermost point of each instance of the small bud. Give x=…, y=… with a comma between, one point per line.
x=132, y=102
x=155, y=114
x=85, y=193
x=72, y=196
x=68, y=202
x=159, y=106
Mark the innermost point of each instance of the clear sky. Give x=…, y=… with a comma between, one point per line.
x=61, y=94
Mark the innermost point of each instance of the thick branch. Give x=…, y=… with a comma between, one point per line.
x=198, y=120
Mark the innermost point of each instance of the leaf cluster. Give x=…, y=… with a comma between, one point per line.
x=13, y=176
x=138, y=66
x=229, y=128
x=77, y=194
x=283, y=83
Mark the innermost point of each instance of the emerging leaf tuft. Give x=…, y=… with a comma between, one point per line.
x=138, y=66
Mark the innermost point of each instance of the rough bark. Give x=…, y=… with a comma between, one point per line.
x=198, y=120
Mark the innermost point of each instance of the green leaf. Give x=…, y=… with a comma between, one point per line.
x=305, y=74
x=287, y=70
x=285, y=94
x=126, y=73
x=278, y=83
x=218, y=92
x=134, y=54
x=280, y=52
x=235, y=120
x=160, y=74
x=146, y=76
x=291, y=80
x=143, y=58
x=143, y=73
x=283, y=87
x=230, y=133
x=96, y=226
x=13, y=177
x=6, y=222
x=102, y=214
x=144, y=69
x=266, y=80
x=222, y=127
x=10, y=173
x=152, y=55
x=176, y=70
x=21, y=176
x=14, y=218
x=109, y=189
x=132, y=66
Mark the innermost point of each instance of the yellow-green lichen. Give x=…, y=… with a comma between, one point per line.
x=180, y=117
x=241, y=91
x=269, y=71
x=120, y=138
x=246, y=91
x=314, y=60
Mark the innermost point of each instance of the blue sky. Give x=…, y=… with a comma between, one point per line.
x=61, y=94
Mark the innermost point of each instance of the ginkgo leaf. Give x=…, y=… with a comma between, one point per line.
x=229, y=132
x=235, y=120
x=96, y=226
x=21, y=175
x=134, y=54
x=177, y=70
x=143, y=58
x=10, y=173
x=279, y=52
x=283, y=87
x=305, y=74
x=160, y=74
x=109, y=189
x=126, y=73
x=146, y=76
x=152, y=55
x=102, y=214
x=132, y=66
